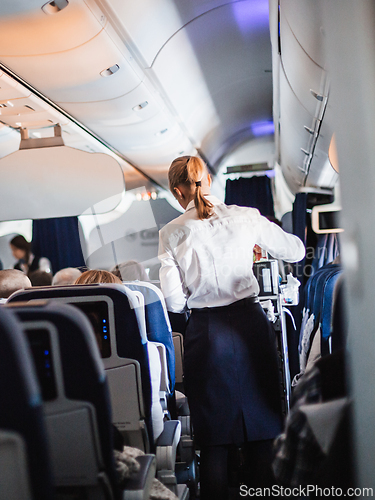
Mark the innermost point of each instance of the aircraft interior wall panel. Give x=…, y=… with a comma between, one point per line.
x=304, y=19
x=302, y=73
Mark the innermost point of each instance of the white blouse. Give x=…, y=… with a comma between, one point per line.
x=208, y=263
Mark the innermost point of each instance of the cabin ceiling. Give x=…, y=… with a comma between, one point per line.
x=186, y=77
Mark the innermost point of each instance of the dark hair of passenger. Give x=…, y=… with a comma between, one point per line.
x=40, y=278
x=190, y=171
x=21, y=243
x=97, y=276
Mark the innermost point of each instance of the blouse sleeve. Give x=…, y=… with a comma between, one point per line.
x=278, y=243
x=172, y=285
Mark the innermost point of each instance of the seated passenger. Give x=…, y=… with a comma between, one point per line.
x=40, y=278
x=12, y=280
x=27, y=261
x=131, y=270
x=97, y=276
x=66, y=276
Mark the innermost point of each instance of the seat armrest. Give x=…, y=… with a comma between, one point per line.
x=166, y=445
x=138, y=487
x=164, y=381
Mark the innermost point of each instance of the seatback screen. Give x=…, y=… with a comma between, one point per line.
x=40, y=344
x=97, y=313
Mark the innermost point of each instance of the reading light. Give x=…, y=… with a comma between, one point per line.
x=110, y=71
x=54, y=6
x=140, y=106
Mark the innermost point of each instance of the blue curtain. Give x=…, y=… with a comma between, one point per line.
x=251, y=192
x=58, y=240
x=299, y=216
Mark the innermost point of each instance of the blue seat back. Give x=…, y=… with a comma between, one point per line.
x=21, y=403
x=327, y=309
x=130, y=341
x=157, y=322
x=82, y=370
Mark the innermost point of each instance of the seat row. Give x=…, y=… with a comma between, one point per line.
x=128, y=360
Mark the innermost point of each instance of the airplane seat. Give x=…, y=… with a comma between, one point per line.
x=25, y=470
x=316, y=326
x=125, y=355
x=76, y=404
x=124, y=351
x=159, y=330
x=329, y=294
x=158, y=327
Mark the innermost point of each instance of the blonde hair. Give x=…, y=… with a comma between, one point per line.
x=190, y=171
x=97, y=276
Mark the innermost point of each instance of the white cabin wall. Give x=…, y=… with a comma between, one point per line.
x=350, y=46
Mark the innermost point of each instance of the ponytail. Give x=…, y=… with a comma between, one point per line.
x=190, y=170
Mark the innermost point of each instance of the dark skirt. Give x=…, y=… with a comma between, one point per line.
x=231, y=374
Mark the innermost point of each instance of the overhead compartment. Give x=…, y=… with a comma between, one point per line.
x=303, y=17
x=58, y=181
x=295, y=140
x=321, y=172
x=34, y=33
x=304, y=76
x=133, y=107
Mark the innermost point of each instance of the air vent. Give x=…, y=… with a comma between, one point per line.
x=55, y=6
x=110, y=71
x=2, y=105
x=140, y=106
x=29, y=107
x=161, y=132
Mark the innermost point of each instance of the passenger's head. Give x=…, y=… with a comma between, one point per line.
x=130, y=270
x=20, y=247
x=66, y=276
x=189, y=179
x=40, y=278
x=12, y=280
x=97, y=276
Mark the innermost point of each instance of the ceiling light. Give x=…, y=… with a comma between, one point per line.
x=110, y=71
x=10, y=104
x=259, y=129
x=140, y=106
x=54, y=6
